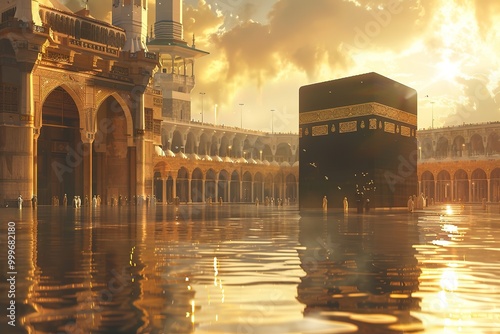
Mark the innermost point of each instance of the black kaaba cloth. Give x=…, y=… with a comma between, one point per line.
x=357, y=140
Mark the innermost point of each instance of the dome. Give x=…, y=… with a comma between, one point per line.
x=252, y=161
x=159, y=152
x=169, y=153
x=285, y=164
x=206, y=157
x=194, y=156
x=296, y=164
x=217, y=158
x=228, y=159
x=182, y=155
x=241, y=160
x=265, y=162
x=274, y=163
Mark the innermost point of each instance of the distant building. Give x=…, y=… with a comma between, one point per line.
x=88, y=107
x=460, y=163
x=357, y=140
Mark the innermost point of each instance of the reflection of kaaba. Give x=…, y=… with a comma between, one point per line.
x=359, y=265
x=357, y=139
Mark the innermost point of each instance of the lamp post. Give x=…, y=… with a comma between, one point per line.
x=432, y=115
x=241, y=110
x=272, y=121
x=202, y=96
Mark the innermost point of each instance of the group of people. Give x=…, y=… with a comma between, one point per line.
x=417, y=202
x=270, y=201
x=139, y=200
x=360, y=203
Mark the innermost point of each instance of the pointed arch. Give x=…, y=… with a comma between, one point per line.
x=118, y=105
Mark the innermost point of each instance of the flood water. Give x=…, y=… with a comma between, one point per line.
x=248, y=269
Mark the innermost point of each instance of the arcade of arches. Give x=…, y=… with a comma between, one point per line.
x=64, y=159
x=460, y=164
x=205, y=181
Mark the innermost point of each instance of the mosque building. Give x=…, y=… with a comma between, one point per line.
x=460, y=164
x=89, y=107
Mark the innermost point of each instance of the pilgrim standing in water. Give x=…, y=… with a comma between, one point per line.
x=410, y=204
x=346, y=205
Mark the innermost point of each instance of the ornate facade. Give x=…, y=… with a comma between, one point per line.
x=207, y=162
x=88, y=107
x=461, y=163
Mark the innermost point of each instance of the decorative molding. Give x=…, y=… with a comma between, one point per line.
x=405, y=131
x=389, y=127
x=358, y=110
x=320, y=130
x=351, y=126
x=29, y=119
x=101, y=94
x=373, y=124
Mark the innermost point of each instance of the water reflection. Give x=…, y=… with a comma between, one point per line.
x=242, y=269
x=360, y=269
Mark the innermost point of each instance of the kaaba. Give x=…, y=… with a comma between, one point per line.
x=357, y=140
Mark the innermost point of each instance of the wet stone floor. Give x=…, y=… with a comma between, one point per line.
x=248, y=269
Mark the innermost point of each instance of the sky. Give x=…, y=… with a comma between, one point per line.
x=263, y=51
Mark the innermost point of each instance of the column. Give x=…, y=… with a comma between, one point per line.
x=452, y=190
x=229, y=191
x=189, y=199
x=241, y=190
x=489, y=190
x=470, y=191
x=419, y=187
x=26, y=118
x=87, y=170
x=216, y=189
x=35, y=160
x=203, y=195
x=297, y=191
x=174, y=187
x=164, y=190
x=262, y=190
x=251, y=191
x=140, y=146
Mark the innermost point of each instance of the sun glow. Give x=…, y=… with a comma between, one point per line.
x=448, y=70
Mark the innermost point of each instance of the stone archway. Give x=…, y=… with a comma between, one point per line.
x=427, y=185
x=113, y=171
x=60, y=151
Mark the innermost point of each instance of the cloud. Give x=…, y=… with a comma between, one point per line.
x=480, y=104
x=257, y=45
x=301, y=36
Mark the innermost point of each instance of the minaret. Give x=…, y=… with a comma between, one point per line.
x=168, y=24
x=132, y=16
x=176, y=77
